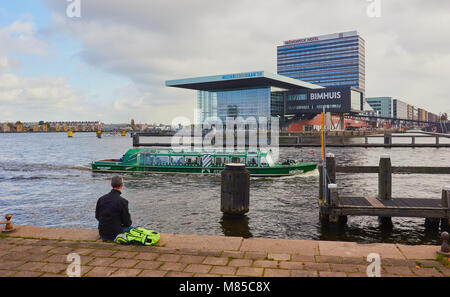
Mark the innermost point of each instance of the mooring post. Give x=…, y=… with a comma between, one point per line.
x=136, y=140
x=445, y=247
x=385, y=184
x=445, y=203
x=387, y=138
x=366, y=140
x=235, y=190
x=331, y=170
x=334, y=199
x=413, y=140
x=437, y=139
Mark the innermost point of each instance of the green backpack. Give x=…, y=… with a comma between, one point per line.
x=138, y=236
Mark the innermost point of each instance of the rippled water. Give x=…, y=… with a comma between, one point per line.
x=45, y=180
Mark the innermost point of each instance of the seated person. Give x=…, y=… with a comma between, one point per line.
x=112, y=212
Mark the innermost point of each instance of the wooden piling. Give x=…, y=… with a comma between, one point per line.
x=385, y=184
x=235, y=190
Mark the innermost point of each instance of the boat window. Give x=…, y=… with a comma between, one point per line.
x=191, y=160
x=238, y=160
x=147, y=159
x=176, y=160
x=221, y=161
x=162, y=160
x=252, y=160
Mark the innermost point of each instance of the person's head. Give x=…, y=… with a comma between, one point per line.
x=117, y=182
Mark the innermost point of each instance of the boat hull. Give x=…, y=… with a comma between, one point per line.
x=281, y=170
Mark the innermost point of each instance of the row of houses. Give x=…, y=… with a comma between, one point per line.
x=85, y=126
x=390, y=107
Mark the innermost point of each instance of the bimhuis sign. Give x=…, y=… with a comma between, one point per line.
x=335, y=99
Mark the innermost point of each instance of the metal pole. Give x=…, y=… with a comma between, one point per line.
x=324, y=164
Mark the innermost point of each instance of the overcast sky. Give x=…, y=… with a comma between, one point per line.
x=112, y=62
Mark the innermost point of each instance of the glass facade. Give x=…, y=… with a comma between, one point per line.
x=381, y=104
x=253, y=102
x=327, y=60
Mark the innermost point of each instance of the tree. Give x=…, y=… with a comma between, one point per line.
x=444, y=117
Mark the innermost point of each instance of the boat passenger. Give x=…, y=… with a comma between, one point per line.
x=112, y=212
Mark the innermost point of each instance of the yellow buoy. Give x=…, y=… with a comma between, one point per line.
x=124, y=133
x=69, y=134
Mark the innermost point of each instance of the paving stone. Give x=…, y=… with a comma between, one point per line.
x=225, y=270
x=21, y=248
x=291, y=265
x=57, y=258
x=146, y=256
x=13, y=256
x=279, y=257
x=344, y=267
x=232, y=254
x=124, y=263
x=5, y=265
x=169, y=258
x=329, y=259
x=266, y=263
x=418, y=251
x=426, y=272
x=402, y=270
x=152, y=273
x=205, y=275
x=358, y=274
x=197, y=268
x=209, y=253
x=397, y=262
x=217, y=260
x=54, y=268
x=83, y=251
x=61, y=250
x=249, y=271
x=430, y=263
x=4, y=273
x=255, y=255
x=331, y=274
x=179, y=274
x=28, y=274
x=49, y=274
x=102, y=253
x=317, y=266
x=101, y=271
x=302, y=258
x=350, y=260
x=36, y=257
x=124, y=255
x=100, y=261
x=32, y=266
x=149, y=265
x=173, y=266
x=240, y=262
x=192, y=259
x=270, y=272
x=126, y=272
x=303, y=273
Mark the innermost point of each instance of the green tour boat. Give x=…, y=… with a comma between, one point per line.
x=167, y=160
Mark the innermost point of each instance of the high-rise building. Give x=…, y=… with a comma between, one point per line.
x=400, y=109
x=327, y=60
x=383, y=105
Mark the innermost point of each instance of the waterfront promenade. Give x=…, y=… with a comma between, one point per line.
x=37, y=251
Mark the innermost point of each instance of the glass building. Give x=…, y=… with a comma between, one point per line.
x=327, y=60
x=249, y=94
x=383, y=105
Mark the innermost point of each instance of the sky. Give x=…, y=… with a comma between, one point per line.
x=111, y=63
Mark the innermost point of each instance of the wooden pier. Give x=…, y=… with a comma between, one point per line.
x=335, y=208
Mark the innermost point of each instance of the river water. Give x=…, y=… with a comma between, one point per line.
x=45, y=180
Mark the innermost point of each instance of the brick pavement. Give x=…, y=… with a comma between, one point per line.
x=35, y=251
